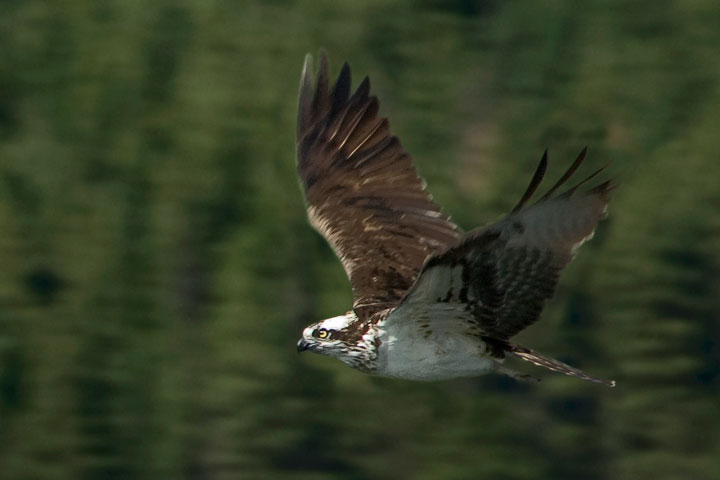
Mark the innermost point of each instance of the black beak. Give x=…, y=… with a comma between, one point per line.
x=303, y=345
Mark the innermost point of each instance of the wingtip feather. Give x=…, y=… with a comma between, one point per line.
x=363, y=89
x=568, y=173
x=307, y=67
x=534, y=182
x=305, y=96
x=572, y=190
x=341, y=89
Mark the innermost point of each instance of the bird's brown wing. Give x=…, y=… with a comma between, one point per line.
x=363, y=192
x=503, y=273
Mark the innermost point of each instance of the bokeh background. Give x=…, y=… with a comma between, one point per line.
x=156, y=266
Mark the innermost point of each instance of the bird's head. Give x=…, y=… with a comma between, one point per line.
x=337, y=337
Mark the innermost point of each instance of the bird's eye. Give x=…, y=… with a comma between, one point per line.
x=322, y=333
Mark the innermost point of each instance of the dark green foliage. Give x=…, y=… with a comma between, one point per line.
x=157, y=266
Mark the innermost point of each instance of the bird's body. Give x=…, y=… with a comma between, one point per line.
x=430, y=302
x=410, y=349
x=397, y=344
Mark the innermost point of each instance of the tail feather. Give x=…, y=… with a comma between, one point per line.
x=554, y=365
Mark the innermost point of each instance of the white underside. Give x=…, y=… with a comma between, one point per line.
x=408, y=351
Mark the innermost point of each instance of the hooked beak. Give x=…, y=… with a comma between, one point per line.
x=303, y=345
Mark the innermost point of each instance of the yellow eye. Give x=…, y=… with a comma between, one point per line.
x=322, y=333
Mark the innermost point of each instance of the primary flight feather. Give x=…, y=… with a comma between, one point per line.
x=429, y=301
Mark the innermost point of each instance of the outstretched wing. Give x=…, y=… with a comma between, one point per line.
x=363, y=193
x=503, y=273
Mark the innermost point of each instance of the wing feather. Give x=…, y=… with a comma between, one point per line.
x=510, y=268
x=534, y=183
x=363, y=193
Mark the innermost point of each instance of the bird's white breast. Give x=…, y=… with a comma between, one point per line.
x=442, y=350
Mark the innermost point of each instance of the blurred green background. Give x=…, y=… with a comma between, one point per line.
x=156, y=266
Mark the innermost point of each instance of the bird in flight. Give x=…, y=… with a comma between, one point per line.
x=430, y=302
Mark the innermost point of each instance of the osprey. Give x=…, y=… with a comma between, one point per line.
x=430, y=302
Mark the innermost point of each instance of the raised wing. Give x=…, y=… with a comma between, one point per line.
x=503, y=273
x=363, y=193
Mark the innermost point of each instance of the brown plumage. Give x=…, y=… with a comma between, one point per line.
x=404, y=257
x=363, y=192
x=511, y=267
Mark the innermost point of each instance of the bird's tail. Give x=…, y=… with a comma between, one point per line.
x=552, y=364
